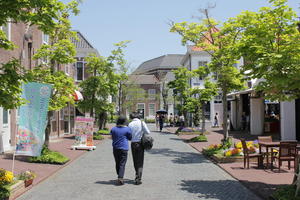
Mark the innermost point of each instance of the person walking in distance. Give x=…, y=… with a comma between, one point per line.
x=120, y=136
x=138, y=128
x=161, y=122
x=216, y=120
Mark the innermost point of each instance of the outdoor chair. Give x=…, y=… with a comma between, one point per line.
x=287, y=152
x=248, y=155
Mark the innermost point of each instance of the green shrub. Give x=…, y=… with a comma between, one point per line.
x=210, y=152
x=50, y=157
x=4, y=192
x=98, y=137
x=286, y=193
x=149, y=120
x=200, y=138
x=102, y=132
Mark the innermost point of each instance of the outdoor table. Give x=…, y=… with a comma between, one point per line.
x=268, y=145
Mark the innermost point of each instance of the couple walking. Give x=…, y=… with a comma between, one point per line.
x=121, y=133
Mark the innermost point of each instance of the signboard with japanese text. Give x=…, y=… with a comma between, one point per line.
x=84, y=127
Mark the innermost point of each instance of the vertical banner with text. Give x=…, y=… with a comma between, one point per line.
x=33, y=119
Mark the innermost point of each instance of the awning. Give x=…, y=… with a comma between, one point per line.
x=241, y=92
x=77, y=95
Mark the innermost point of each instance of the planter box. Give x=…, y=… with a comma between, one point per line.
x=223, y=159
x=17, y=189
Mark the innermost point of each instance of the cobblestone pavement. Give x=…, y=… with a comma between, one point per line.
x=173, y=171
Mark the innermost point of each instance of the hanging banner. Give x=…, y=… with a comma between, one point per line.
x=33, y=119
x=84, y=127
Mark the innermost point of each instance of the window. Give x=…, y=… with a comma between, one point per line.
x=45, y=38
x=79, y=71
x=6, y=29
x=151, y=94
x=151, y=109
x=202, y=64
x=5, y=116
x=140, y=106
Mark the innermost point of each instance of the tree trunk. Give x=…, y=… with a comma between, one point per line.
x=203, y=118
x=119, y=98
x=225, y=114
x=48, y=130
x=102, y=120
x=185, y=118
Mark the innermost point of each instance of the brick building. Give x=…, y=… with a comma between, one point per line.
x=148, y=100
x=28, y=40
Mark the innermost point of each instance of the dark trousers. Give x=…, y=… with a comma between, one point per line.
x=161, y=125
x=121, y=159
x=138, y=159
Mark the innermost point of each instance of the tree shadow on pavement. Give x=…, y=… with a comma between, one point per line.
x=218, y=189
x=180, y=157
x=228, y=189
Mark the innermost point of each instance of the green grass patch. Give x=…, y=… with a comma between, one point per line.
x=50, y=157
x=200, y=138
x=98, y=137
x=103, y=132
x=286, y=193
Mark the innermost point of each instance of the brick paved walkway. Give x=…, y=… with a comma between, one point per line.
x=173, y=170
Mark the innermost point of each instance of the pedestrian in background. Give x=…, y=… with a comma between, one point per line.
x=138, y=128
x=216, y=120
x=171, y=120
x=161, y=122
x=157, y=121
x=120, y=136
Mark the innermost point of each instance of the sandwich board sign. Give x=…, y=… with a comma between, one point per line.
x=84, y=127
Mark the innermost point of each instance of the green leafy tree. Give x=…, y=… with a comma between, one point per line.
x=60, y=51
x=122, y=70
x=221, y=46
x=50, y=17
x=270, y=43
x=99, y=87
x=205, y=94
x=45, y=14
x=181, y=85
x=12, y=77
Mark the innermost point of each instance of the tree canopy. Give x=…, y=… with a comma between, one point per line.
x=269, y=41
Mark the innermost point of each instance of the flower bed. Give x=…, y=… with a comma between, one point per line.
x=224, y=153
x=6, y=178
x=12, y=186
x=190, y=131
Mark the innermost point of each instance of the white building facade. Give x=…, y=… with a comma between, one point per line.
x=193, y=59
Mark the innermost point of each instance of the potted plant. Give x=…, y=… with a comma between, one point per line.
x=27, y=176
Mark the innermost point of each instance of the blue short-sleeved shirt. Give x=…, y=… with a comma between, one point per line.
x=120, y=136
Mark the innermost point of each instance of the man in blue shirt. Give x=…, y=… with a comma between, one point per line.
x=120, y=136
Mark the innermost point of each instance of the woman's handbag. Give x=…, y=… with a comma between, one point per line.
x=147, y=140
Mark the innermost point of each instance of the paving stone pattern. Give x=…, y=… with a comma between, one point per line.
x=173, y=171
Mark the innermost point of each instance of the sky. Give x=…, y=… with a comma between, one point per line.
x=146, y=23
